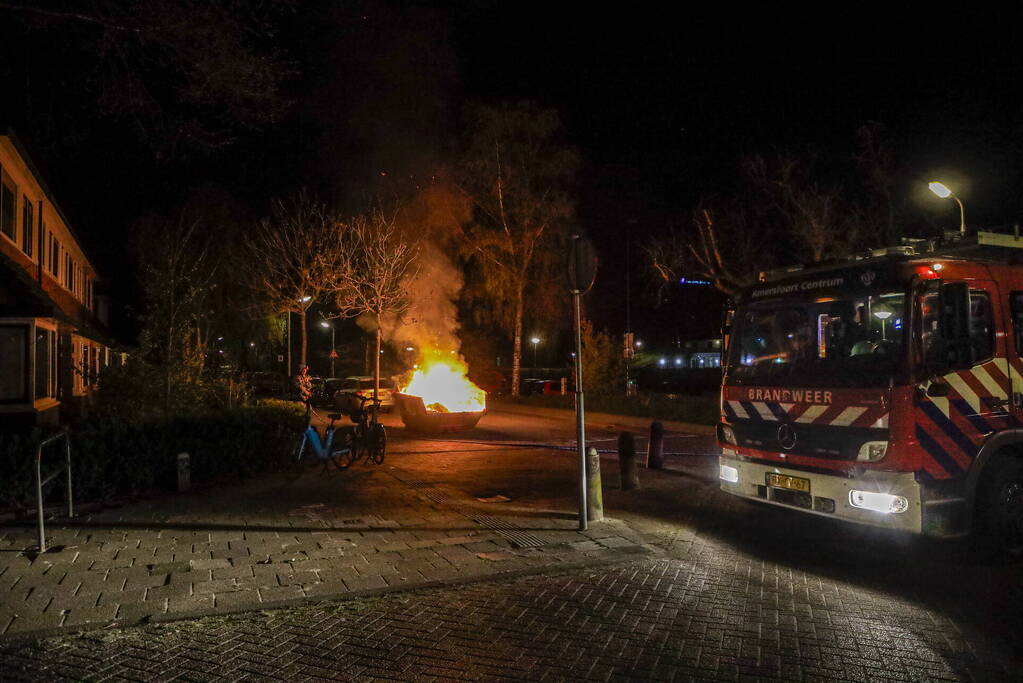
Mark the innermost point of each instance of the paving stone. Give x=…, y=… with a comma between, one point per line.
x=29, y=622
x=122, y=597
x=281, y=593
x=236, y=599
x=362, y=583
x=81, y=616
x=173, y=590
x=218, y=563
x=190, y=605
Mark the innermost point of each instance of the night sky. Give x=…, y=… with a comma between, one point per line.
x=661, y=104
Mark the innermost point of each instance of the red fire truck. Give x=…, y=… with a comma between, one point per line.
x=884, y=390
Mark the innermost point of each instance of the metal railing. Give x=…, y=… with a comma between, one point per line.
x=40, y=482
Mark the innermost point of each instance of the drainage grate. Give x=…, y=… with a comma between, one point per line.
x=506, y=529
x=509, y=530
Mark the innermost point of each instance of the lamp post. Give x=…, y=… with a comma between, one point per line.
x=535, y=341
x=326, y=324
x=303, y=300
x=942, y=191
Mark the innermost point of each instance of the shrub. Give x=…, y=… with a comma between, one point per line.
x=112, y=458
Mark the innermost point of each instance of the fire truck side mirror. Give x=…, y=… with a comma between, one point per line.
x=955, y=324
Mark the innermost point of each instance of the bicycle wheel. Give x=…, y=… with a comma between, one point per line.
x=377, y=443
x=345, y=457
x=296, y=463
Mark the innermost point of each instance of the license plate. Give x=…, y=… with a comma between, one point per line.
x=784, y=481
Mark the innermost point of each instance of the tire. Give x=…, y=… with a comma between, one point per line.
x=377, y=443
x=298, y=460
x=1000, y=508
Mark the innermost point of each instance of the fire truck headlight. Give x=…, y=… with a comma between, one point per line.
x=729, y=474
x=885, y=503
x=872, y=451
x=728, y=435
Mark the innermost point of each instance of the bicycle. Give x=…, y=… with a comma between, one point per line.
x=369, y=438
x=325, y=449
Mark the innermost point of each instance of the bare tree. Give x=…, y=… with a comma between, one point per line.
x=815, y=214
x=181, y=75
x=516, y=175
x=722, y=245
x=293, y=256
x=176, y=277
x=379, y=262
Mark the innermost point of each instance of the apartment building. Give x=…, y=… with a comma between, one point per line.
x=53, y=338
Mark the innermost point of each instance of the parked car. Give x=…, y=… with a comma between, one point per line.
x=363, y=386
x=541, y=386
x=268, y=382
x=325, y=395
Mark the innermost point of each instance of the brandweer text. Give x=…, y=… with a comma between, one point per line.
x=789, y=395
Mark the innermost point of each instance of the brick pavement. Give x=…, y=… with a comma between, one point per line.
x=719, y=615
x=279, y=541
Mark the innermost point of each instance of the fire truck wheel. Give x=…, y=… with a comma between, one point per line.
x=1001, y=510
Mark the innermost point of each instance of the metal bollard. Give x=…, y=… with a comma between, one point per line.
x=184, y=472
x=627, y=461
x=594, y=494
x=655, y=449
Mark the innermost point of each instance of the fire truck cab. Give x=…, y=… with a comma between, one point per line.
x=884, y=390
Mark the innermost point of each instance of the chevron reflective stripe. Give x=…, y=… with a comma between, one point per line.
x=964, y=390
x=847, y=416
x=765, y=411
x=881, y=422
x=937, y=452
x=737, y=409
x=811, y=414
x=983, y=375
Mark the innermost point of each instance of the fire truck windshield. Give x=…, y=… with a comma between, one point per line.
x=855, y=341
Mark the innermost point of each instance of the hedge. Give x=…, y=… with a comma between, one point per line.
x=116, y=459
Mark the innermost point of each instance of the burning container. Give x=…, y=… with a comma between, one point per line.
x=439, y=397
x=418, y=419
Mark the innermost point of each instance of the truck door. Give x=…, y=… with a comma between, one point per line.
x=953, y=427
x=1014, y=351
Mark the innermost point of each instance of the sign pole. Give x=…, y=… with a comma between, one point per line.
x=580, y=413
x=582, y=270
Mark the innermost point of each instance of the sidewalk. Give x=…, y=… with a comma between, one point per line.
x=276, y=542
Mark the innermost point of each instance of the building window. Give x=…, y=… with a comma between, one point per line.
x=14, y=363
x=46, y=363
x=55, y=257
x=8, y=211
x=26, y=225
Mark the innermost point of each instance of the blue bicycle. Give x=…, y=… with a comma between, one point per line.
x=337, y=446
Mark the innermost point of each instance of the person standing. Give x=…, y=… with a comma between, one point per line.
x=303, y=383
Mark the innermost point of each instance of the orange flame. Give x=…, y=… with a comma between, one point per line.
x=440, y=380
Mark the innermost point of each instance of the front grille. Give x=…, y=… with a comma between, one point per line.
x=816, y=441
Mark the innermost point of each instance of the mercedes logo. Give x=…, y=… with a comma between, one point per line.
x=786, y=437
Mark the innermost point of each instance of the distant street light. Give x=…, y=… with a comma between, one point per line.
x=942, y=191
x=325, y=324
x=535, y=341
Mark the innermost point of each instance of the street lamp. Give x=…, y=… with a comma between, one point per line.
x=882, y=313
x=942, y=191
x=325, y=324
x=535, y=341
